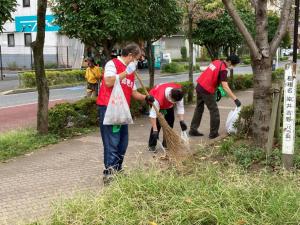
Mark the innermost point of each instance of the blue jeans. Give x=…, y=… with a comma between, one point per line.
x=115, y=144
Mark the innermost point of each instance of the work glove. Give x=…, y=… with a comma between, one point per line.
x=149, y=99
x=237, y=103
x=131, y=67
x=183, y=125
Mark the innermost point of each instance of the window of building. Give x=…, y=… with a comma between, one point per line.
x=27, y=38
x=26, y=3
x=11, y=40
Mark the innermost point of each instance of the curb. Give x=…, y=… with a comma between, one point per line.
x=26, y=90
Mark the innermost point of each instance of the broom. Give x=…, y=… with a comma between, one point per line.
x=177, y=148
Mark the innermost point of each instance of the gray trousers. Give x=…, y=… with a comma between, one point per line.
x=210, y=102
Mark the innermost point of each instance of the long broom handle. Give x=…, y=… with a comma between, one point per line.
x=143, y=86
x=141, y=82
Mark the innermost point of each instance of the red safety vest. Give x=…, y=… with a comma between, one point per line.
x=158, y=92
x=126, y=84
x=209, y=79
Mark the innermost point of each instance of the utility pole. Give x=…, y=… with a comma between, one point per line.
x=296, y=24
x=1, y=68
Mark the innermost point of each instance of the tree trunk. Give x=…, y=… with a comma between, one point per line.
x=191, y=55
x=262, y=100
x=213, y=51
x=41, y=81
x=151, y=61
x=262, y=70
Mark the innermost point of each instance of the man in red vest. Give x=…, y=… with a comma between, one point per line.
x=115, y=137
x=166, y=96
x=209, y=80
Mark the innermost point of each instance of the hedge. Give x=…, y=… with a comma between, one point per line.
x=83, y=113
x=54, y=77
x=64, y=116
x=175, y=67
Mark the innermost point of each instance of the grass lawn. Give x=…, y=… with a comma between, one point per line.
x=20, y=142
x=212, y=189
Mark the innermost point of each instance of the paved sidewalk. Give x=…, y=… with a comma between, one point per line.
x=30, y=184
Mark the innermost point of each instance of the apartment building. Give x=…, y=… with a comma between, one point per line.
x=17, y=36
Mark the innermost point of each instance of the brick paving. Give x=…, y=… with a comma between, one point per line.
x=30, y=184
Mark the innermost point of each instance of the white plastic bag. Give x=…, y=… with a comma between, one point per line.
x=184, y=137
x=231, y=119
x=117, y=111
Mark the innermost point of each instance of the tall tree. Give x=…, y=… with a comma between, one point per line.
x=151, y=20
x=262, y=51
x=103, y=23
x=7, y=7
x=220, y=32
x=97, y=23
x=41, y=81
x=194, y=10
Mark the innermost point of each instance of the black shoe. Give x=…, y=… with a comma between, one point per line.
x=107, y=179
x=152, y=149
x=212, y=136
x=195, y=133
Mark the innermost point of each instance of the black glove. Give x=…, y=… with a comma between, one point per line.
x=218, y=95
x=237, y=103
x=183, y=125
x=149, y=99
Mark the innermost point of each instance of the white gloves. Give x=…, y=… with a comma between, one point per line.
x=131, y=67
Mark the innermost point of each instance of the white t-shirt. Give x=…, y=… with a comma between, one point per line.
x=111, y=70
x=179, y=105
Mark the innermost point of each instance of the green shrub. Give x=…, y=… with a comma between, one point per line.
x=195, y=67
x=53, y=77
x=284, y=58
x=173, y=68
x=183, y=52
x=137, y=107
x=80, y=114
x=180, y=60
x=246, y=60
x=50, y=65
x=187, y=87
x=278, y=74
x=241, y=82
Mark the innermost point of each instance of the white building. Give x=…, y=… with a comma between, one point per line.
x=18, y=34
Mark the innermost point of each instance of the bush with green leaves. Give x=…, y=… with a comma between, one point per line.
x=183, y=52
x=54, y=77
x=173, y=67
x=241, y=82
x=278, y=74
x=246, y=60
x=64, y=116
x=284, y=58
